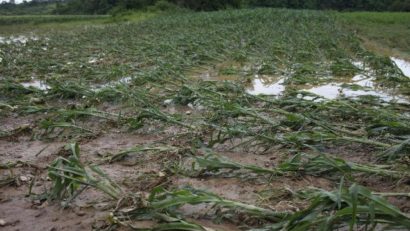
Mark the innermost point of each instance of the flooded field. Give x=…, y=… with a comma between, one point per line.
x=272, y=120
x=364, y=83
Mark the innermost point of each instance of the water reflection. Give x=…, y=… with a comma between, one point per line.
x=403, y=65
x=363, y=81
x=265, y=86
x=362, y=84
x=99, y=87
x=334, y=91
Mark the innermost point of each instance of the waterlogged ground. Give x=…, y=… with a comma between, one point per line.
x=363, y=83
x=205, y=121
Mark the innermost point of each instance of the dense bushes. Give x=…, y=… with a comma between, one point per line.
x=32, y=8
x=208, y=4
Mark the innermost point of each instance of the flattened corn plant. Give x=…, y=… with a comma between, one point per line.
x=353, y=207
x=316, y=165
x=68, y=175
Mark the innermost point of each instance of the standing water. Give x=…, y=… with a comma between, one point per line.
x=261, y=87
x=403, y=65
x=38, y=84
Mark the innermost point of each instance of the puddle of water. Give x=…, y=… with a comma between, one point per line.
x=275, y=85
x=364, y=81
x=326, y=91
x=403, y=65
x=331, y=91
x=334, y=91
x=358, y=64
x=38, y=84
x=21, y=39
x=124, y=80
x=262, y=87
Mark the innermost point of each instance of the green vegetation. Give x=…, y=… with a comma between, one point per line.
x=104, y=6
x=328, y=210
x=319, y=165
x=22, y=24
x=68, y=175
x=346, y=207
x=28, y=8
x=188, y=80
x=382, y=30
x=115, y=6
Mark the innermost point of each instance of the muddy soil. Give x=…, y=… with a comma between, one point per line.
x=24, y=207
x=25, y=156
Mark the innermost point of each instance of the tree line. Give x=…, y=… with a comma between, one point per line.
x=107, y=6
x=363, y=5
x=104, y=6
